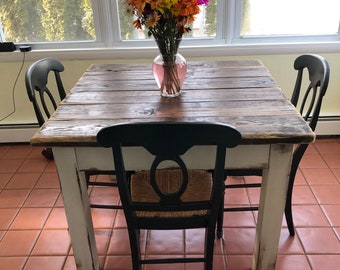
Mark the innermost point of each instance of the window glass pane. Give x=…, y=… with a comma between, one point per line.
x=290, y=17
x=47, y=20
x=204, y=25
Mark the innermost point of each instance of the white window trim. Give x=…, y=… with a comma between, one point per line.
x=188, y=51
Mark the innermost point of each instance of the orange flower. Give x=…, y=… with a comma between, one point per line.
x=152, y=19
x=190, y=19
x=137, y=24
x=139, y=5
x=188, y=8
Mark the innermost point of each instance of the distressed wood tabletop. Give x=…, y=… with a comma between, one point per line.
x=240, y=93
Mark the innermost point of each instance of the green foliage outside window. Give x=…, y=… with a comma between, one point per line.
x=47, y=20
x=211, y=22
x=72, y=20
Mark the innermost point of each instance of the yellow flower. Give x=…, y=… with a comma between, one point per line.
x=166, y=5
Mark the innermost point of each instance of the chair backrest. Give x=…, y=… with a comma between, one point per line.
x=309, y=101
x=168, y=141
x=36, y=80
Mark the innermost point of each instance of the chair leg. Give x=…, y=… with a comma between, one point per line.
x=288, y=210
x=219, y=226
x=47, y=153
x=134, y=235
x=298, y=153
x=209, y=248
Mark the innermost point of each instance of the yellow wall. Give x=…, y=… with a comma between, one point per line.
x=281, y=67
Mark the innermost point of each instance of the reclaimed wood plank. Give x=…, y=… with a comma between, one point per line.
x=195, y=84
x=115, y=96
x=259, y=130
x=138, y=110
x=192, y=72
x=200, y=64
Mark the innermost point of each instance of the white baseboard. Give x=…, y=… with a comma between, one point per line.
x=22, y=134
x=17, y=133
x=328, y=127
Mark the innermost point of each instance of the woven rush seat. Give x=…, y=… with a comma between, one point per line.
x=169, y=181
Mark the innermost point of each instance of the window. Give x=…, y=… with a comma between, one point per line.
x=47, y=21
x=298, y=18
x=105, y=23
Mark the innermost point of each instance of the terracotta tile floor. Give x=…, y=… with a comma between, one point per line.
x=33, y=228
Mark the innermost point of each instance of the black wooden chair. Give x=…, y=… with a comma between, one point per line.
x=45, y=103
x=175, y=197
x=308, y=101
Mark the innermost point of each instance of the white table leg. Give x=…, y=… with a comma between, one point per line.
x=77, y=208
x=272, y=204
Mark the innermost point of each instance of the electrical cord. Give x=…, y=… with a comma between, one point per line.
x=13, y=89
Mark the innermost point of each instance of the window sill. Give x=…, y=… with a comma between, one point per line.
x=187, y=50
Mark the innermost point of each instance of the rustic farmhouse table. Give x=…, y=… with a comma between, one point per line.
x=240, y=93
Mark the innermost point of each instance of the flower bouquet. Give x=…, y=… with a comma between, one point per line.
x=167, y=21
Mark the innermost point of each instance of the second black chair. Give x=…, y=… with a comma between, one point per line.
x=315, y=70
x=45, y=103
